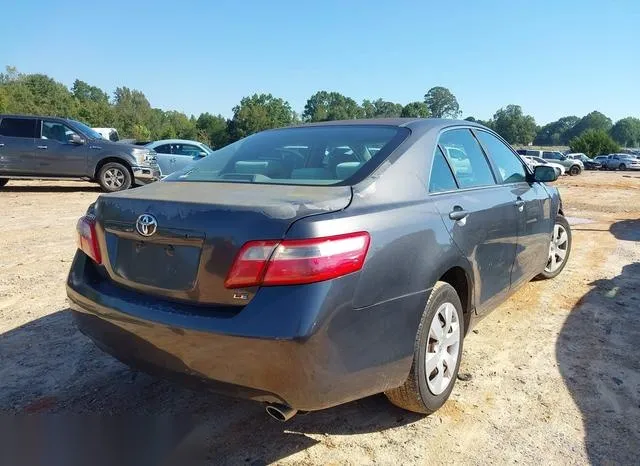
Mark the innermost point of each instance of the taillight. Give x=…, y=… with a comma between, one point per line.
x=294, y=262
x=87, y=238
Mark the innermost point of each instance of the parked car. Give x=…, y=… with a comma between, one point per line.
x=176, y=154
x=602, y=160
x=310, y=282
x=621, y=162
x=573, y=167
x=110, y=134
x=535, y=161
x=589, y=164
x=36, y=147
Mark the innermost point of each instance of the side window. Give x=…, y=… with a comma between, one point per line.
x=466, y=158
x=441, y=176
x=163, y=149
x=509, y=166
x=550, y=155
x=18, y=127
x=187, y=149
x=56, y=131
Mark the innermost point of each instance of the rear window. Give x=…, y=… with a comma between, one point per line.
x=319, y=155
x=18, y=127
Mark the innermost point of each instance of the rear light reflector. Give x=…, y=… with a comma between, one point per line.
x=87, y=238
x=295, y=262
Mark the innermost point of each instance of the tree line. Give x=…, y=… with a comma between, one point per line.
x=130, y=112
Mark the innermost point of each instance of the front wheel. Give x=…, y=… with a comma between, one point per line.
x=622, y=166
x=113, y=177
x=437, y=353
x=559, y=249
x=574, y=170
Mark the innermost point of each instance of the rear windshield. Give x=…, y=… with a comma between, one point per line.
x=316, y=155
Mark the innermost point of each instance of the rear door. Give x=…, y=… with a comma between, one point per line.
x=55, y=154
x=165, y=159
x=17, y=145
x=480, y=214
x=533, y=208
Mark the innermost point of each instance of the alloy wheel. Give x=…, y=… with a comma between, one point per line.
x=557, y=248
x=443, y=345
x=114, y=178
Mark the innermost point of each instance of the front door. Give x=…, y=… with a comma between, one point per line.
x=480, y=215
x=533, y=208
x=56, y=155
x=17, y=146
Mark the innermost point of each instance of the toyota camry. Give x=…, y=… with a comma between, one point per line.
x=305, y=267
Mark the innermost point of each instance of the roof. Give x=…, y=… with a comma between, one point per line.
x=17, y=115
x=176, y=141
x=415, y=123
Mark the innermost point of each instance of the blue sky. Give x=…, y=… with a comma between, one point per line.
x=554, y=58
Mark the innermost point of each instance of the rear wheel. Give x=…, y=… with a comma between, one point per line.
x=559, y=248
x=622, y=167
x=437, y=353
x=574, y=170
x=113, y=177
x=3, y=181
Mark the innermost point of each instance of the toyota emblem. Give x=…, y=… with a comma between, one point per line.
x=146, y=225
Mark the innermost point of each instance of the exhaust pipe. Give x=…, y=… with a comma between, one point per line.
x=280, y=412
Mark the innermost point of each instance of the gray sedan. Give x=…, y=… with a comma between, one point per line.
x=310, y=266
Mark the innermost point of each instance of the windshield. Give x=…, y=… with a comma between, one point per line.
x=315, y=155
x=86, y=130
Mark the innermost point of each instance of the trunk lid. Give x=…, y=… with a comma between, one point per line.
x=199, y=229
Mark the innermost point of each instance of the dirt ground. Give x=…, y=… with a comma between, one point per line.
x=555, y=372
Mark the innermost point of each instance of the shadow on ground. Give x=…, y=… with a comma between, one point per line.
x=599, y=359
x=626, y=230
x=49, y=367
x=8, y=188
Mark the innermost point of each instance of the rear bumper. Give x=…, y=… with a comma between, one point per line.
x=145, y=175
x=304, y=346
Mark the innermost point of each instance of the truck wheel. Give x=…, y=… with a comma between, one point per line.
x=574, y=170
x=113, y=177
x=559, y=249
x=3, y=181
x=437, y=353
x=622, y=166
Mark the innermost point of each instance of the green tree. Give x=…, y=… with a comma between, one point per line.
x=594, y=142
x=327, y=106
x=259, y=112
x=514, y=126
x=214, y=128
x=380, y=109
x=487, y=123
x=557, y=132
x=85, y=92
x=593, y=120
x=626, y=132
x=442, y=103
x=131, y=108
x=416, y=110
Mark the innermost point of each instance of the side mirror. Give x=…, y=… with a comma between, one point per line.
x=544, y=174
x=75, y=139
x=199, y=155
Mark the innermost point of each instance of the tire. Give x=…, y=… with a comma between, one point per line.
x=574, y=170
x=3, y=181
x=419, y=394
x=114, y=177
x=550, y=270
x=622, y=166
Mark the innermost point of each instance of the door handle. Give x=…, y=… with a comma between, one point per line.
x=458, y=214
x=520, y=205
x=42, y=147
